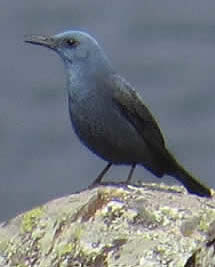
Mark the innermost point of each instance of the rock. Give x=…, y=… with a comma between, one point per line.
x=205, y=254
x=110, y=225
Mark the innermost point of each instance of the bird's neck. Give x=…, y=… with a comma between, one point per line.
x=81, y=78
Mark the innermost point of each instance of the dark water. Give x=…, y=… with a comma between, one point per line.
x=165, y=48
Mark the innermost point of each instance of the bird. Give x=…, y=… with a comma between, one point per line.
x=108, y=114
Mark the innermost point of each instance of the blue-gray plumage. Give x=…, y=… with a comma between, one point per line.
x=108, y=115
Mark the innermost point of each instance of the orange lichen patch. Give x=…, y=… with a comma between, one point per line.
x=96, y=203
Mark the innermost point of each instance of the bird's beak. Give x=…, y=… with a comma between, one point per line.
x=47, y=41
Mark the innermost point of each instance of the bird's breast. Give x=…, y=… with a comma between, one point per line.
x=101, y=127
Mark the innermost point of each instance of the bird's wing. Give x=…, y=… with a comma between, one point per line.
x=132, y=107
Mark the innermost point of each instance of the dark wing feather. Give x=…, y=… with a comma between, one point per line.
x=133, y=108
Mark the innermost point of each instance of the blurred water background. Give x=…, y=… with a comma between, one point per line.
x=166, y=49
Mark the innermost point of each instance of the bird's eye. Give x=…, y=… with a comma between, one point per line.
x=71, y=42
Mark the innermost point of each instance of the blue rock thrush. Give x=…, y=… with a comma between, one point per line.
x=108, y=115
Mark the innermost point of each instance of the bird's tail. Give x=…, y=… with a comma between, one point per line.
x=193, y=185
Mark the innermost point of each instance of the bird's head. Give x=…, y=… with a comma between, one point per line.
x=74, y=47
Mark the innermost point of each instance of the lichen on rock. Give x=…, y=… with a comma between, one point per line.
x=134, y=226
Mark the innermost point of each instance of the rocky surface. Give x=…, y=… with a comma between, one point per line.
x=113, y=225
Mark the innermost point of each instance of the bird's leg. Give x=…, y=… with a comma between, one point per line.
x=101, y=174
x=130, y=173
